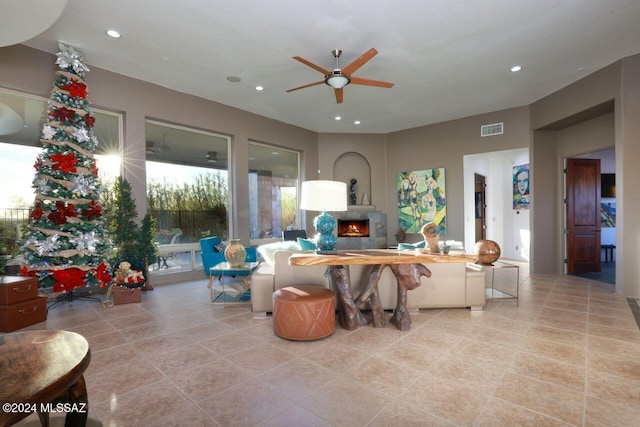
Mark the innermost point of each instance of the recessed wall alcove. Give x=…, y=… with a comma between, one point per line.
x=354, y=165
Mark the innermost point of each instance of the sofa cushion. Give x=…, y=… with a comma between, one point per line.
x=453, y=245
x=267, y=250
x=288, y=275
x=263, y=268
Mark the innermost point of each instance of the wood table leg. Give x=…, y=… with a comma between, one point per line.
x=370, y=294
x=408, y=278
x=44, y=418
x=77, y=396
x=350, y=318
x=77, y=400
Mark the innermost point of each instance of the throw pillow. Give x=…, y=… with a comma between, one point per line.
x=267, y=250
x=307, y=244
x=220, y=247
x=411, y=246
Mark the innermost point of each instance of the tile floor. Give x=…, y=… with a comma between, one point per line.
x=569, y=355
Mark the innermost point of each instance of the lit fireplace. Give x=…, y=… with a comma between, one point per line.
x=353, y=228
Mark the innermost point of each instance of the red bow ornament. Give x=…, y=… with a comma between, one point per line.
x=76, y=90
x=95, y=210
x=64, y=162
x=89, y=121
x=63, y=114
x=67, y=280
x=102, y=275
x=59, y=216
x=37, y=212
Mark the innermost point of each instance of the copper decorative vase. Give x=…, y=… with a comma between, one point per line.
x=487, y=251
x=235, y=253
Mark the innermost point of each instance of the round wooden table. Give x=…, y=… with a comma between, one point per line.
x=43, y=371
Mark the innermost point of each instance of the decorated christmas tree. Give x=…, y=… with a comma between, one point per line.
x=66, y=243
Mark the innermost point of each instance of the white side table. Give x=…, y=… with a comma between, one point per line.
x=494, y=293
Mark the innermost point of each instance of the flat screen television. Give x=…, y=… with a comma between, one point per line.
x=608, y=185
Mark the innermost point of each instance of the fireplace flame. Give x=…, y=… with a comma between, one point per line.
x=352, y=228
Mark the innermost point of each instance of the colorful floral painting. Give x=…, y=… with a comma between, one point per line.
x=521, y=187
x=421, y=199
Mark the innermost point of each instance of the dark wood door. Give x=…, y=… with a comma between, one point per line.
x=480, y=207
x=583, y=215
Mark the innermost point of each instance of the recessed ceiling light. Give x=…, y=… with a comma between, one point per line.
x=275, y=153
x=338, y=118
x=357, y=122
x=234, y=79
x=516, y=68
x=259, y=88
x=113, y=33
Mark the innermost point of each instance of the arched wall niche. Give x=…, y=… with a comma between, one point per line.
x=352, y=165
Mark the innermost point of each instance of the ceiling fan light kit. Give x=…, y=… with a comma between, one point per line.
x=339, y=78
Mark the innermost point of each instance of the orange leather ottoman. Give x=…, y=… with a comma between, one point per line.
x=304, y=313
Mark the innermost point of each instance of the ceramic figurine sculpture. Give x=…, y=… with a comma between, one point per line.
x=431, y=236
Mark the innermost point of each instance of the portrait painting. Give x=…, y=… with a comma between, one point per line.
x=521, y=187
x=421, y=199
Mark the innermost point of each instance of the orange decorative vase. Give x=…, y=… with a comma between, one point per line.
x=235, y=253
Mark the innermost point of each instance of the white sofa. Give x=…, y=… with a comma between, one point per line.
x=451, y=285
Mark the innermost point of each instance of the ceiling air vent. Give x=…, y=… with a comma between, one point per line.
x=492, y=129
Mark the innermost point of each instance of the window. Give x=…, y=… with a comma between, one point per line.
x=273, y=190
x=21, y=120
x=187, y=182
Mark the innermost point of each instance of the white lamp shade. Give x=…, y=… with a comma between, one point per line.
x=321, y=195
x=337, y=81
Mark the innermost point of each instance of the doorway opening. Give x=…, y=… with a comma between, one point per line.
x=604, y=249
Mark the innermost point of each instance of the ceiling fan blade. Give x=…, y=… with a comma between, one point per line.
x=359, y=62
x=339, y=93
x=369, y=82
x=312, y=65
x=309, y=85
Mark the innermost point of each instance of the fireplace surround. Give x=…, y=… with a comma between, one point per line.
x=353, y=227
x=371, y=224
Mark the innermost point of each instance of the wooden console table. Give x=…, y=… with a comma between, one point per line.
x=407, y=267
x=40, y=371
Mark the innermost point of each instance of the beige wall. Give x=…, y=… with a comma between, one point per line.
x=332, y=146
x=628, y=172
x=32, y=71
x=551, y=118
x=443, y=145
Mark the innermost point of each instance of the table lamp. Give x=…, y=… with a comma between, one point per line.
x=321, y=195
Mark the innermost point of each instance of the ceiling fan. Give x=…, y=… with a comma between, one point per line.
x=339, y=78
